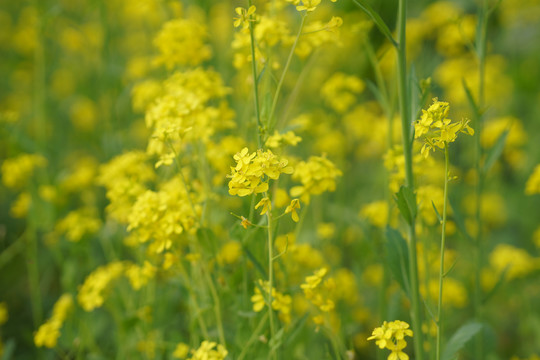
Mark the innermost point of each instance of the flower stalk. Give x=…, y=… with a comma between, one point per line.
x=406, y=125
x=441, y=269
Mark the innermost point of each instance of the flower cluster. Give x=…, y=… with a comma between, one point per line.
x=280, y=302
x=181, y=42
x=161, y=216
x=252, y=171
x=391, y=335
x=317, y=175
x=307, y=5
x=437, y=129
x=79, y=223
x=339, y=91
x=17, y=171
x=48, y=333
x=91, y=292
x=317, y=292
x=279, y=140
x=208, y=351
x=125, y=177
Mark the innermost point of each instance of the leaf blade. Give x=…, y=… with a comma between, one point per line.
x=379, y=22
x=459, y=339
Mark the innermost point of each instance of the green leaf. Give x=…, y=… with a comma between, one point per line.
x=406, y=202
x=398, y=257
x=459, y=339
x=436, y=212
x=415, y=95
x=495, y=152
x=295, y=329
x=470, y=98
x=498, y=284
x=9, y=349
x=377, y=20
x=255, y=262
x=458, y=219
x=277, y=340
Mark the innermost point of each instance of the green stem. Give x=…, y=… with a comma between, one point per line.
x=441, y=268
x=280, y=83
x=33, y=275
x=481, y=53
x=194, y=302
x=253, y=337
x=270, y=277
x=409, y=179
x=255, y=81
x=217, y=305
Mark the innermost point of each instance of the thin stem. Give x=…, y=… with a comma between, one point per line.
x=255, y=79
x=441, y=268
x=285, y=69
x=217, y=305
x=270, y=276
x=480, y=176
x=191, y=293
x=409, y=179
x=253, y=337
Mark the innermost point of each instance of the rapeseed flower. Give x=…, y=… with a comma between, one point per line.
x=252, y=171
x=293, y=206
x=437, y=129
x=317, y=175
x=209, y=351
x=244, y=16
x=391, y=335
x=48, y=333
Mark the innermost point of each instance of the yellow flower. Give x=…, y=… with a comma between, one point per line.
x=266, y=205
x=208, y=351
x=252, y=171
x=391, y=336
x=437, y=129
x=244, y=16
x=181, y=351
x=533, y=184
x=245, y=222
x=308, y=5
x=295, y=204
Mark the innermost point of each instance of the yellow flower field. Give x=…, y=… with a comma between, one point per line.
x=270, y=179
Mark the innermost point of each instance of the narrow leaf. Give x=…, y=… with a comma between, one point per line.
x=295, y=329
x=497, y=286
x=415, y=94
x=377, y=20
x=436, y=212
x=458, y=219
x=406, y=202
x=495, y=152
x=470, y=98
x=398, y=258
x=459, y=339
x=255, y=262
x=377, y=93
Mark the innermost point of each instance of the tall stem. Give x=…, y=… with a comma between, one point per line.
x=481, y=48
x=441, y=268
x=270, y=277
x=409, y=179
x=255, y=80
x=285, y=69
